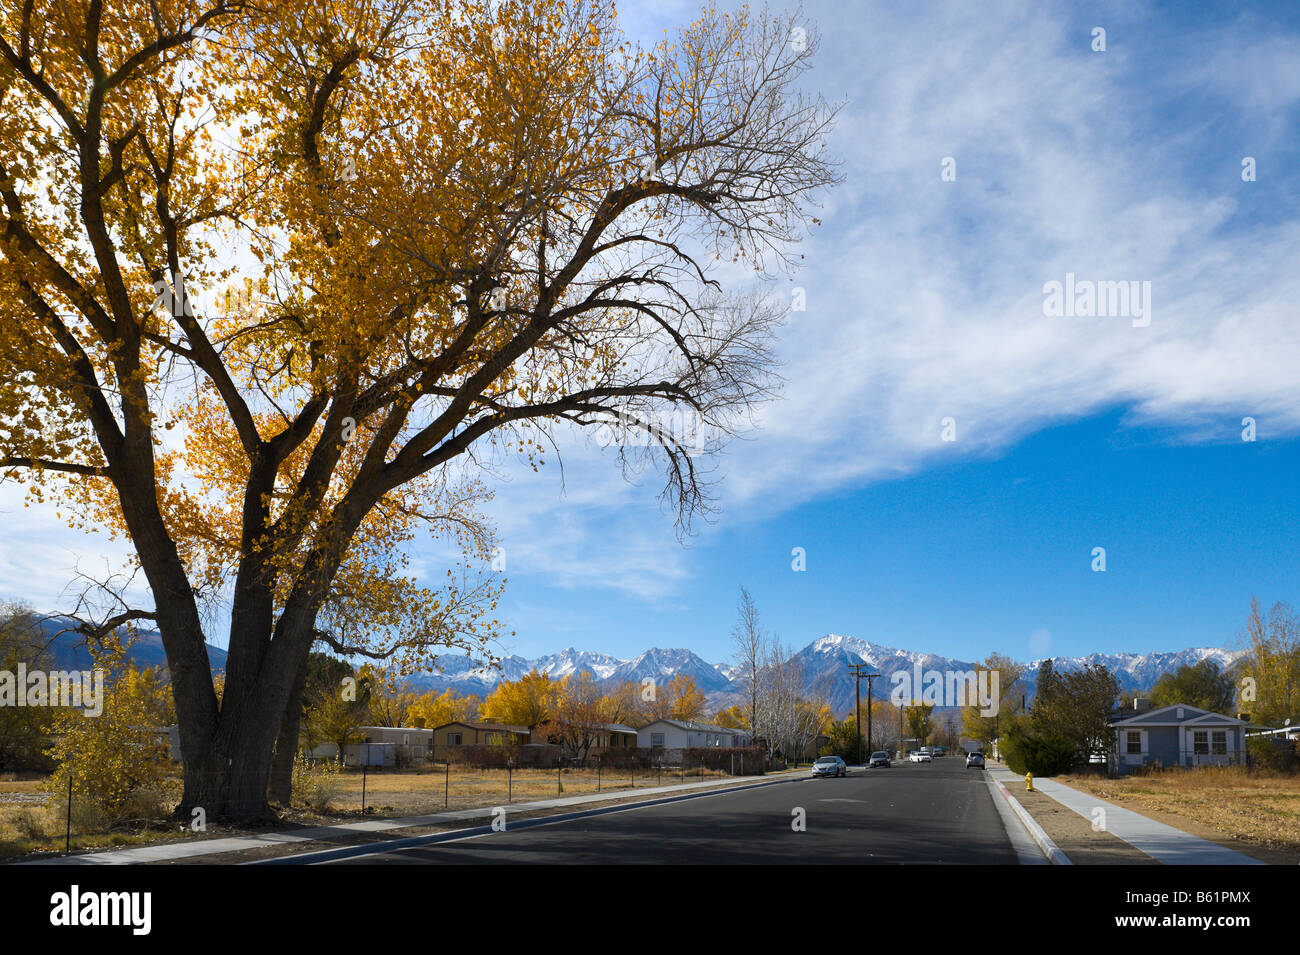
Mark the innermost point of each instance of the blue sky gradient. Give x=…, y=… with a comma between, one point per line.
x=991, y=553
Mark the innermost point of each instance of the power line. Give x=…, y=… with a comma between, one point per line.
x=858, y=677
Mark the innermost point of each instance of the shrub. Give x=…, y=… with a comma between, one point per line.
x=1039, y=755
x=118, y=761
x=149, y=802
x=30, y=824
x=316, y=783
x=1278, y=755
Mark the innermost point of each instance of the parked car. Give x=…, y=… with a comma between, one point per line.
x=975, y=759
x=878, y=758
x=921, y=756
x=829, y=766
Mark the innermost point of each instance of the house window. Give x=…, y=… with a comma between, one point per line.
x=1133, y=744
x=657, y=739
x=1200, y=742
x=1219, y=741
x=453, y=739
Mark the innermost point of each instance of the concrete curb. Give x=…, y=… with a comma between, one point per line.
x=1050, y=850
x=1026, y=849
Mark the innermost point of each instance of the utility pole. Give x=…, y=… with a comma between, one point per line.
x=858, y=677
x=871, y=746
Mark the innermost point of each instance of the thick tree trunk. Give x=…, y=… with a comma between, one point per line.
x=286, y=744
x=229, y=781
x=230, y=777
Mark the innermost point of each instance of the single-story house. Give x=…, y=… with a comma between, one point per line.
x=409, y=742
x=1178, y=735
x=484, y=733
x=603, y=735
x=380, y=746
x=686, y=734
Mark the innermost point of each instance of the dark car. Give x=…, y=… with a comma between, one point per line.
x=879, y=758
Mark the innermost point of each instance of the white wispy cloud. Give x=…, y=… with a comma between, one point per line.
x=925, y=298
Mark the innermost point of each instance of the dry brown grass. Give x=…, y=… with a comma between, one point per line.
x=419, y=791
x=20, y=782
x=27, y=829
x=1257, y=806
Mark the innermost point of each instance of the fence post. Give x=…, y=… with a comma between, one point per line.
x=446, y=786
x=510, y=782
x=363, y=788
x=597, y=775
x=559, y=786
x=67, y=835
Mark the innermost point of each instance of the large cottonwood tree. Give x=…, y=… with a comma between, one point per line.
x=451, y=227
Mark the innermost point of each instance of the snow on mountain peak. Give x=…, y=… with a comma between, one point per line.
x=824, y=661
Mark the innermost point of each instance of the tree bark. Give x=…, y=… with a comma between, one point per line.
x=231, y=779
x=229, y=783
x=286, y=744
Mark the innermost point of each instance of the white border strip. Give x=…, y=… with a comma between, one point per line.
x=1027, y=851
x=1049, y=848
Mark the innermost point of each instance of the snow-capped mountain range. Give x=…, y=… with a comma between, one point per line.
x=825, y=664
x=466, y=676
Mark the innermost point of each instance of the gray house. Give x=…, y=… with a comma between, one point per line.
x=680, y=734
x=1178, y=735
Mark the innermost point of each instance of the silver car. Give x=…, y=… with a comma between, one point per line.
x=829, y=766
x=975, y=759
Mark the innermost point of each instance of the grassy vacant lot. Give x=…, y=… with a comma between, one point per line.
x=1257, y=806
x=32, y=822
x=414, y=791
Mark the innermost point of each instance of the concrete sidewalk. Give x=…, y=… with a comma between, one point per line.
x=178, y=851
x=1163, y=843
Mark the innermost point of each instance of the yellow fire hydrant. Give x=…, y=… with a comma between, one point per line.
x=1029, y=782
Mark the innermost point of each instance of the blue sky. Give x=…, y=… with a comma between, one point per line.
x=925, y=301
x=995, y=552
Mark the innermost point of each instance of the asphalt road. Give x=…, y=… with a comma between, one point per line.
x=936, y=812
